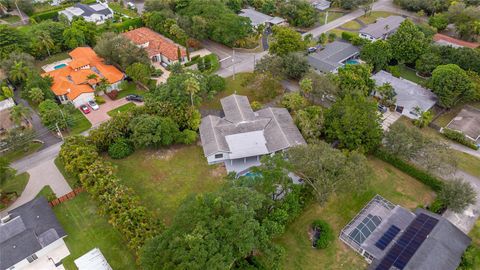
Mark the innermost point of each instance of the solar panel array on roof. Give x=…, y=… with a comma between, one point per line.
x=365, y=228
x=387, y=237
x=408, y=243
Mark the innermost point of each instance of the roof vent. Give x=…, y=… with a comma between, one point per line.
x=5, y=219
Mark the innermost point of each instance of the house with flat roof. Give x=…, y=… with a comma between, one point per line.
x=382, y=28
x=321, y=5
x=75, y=82
x=158, y=47
x=467, y=121
x=242, y=136
x=258, y=18
x=93, y=259
x=32, y=238
x=444, y=40
x=97, y=13
x=409, y=95
x=391, y=237
x=333, y=56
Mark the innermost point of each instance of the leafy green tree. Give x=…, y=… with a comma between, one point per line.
x=7, y=92
x=20, y=113
x=45, y=41
x=439, y=21
x=73, y=37
x=153, y=131
x=6, y=172
x=424, y=119
x=19, y=138
x=457, y=195
x=403, y=141
x=427, y=63
x=299, y=13
x=117, y=49
x=387, y=94
x=306, y=86
x=294, y=101
x=192, y=86
x=295, y=65
x=9, y=62
x=327, y=170
x=452, y=85
x=408, y=43
x=356, y=80
x=355, y=123
x=139, y=72
x=19, y=72
x=310, y=122
x=36, y=95
x=11, y=40
x=111, y=131
x=324, y=86
x=377, y=54
x=51, y=115
x=285, y=41
x=89, y=30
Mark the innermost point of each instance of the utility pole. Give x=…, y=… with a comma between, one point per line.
x=326, y=17
x=59, y=131
x=233, y=60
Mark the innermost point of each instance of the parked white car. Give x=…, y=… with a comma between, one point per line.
x=93, y=105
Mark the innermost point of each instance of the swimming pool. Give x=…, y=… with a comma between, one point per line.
x=353, y=62
x=59, y=66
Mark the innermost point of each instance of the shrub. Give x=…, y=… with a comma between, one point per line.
x=394, y=70
x=113, y=94
x=157, y=73
x=48, y=15
x=348, y=36
x=424, y=177
x=120, y=149
x=437, y=207
x=256, y=105
x=458, y=137
x=188, y=136
x=325, y=236
x=100, y=100
x=127, y=25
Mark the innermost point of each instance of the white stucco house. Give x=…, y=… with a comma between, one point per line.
x=31, y=238
x=97, y=13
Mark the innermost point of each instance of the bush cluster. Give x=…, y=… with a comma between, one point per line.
x=120, y=149
x=424, y=177
x=459, y=137
x=126, y=214
x=325, y=233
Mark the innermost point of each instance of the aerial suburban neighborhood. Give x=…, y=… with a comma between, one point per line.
x=239, y=134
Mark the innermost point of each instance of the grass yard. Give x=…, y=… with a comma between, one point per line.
x=46, y=192
x=54, y=58
x=374, y=15
x=116, y=7
x=16, y=184
x=338, y=32
x=129, y=88
x=124, y=108
x=86, y=229
x=11, y=19
x=72, y=181
x=32, y=147
x=410, y=74
x=468, y=163
x=331, y=16
x=388, y=182
x=80, y=123
x=352, y=25
x=165, y=177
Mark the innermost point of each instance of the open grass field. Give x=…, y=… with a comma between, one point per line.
x=118, y=8
x=352, y=25
x=387, y=181
x=86, y=229
x=232, y=86
x=32, y=147
x=164, y=178
x=374, y=15
x=123, y=108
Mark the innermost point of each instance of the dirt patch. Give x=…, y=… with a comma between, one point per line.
x=164, y=154
x=219, y=171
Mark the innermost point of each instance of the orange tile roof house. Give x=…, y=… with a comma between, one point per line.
x=158, y=47
x=71, y=83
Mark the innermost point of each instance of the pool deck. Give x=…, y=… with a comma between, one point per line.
x=50, y=67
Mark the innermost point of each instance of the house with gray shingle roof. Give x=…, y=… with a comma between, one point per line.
x=382, y=28
x=242, y=136
x=32, y=238
x=333, y=56
x=97, y=13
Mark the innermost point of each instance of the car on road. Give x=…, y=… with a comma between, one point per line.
x=312, y=49
x=93, y=105
x=134, y=97
x=84, y=108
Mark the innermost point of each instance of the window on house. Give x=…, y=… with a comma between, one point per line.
x=218, y=155
x=32, y=258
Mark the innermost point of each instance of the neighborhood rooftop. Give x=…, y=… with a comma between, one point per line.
x=30, y=228
x=444, y=40
x=258, y=18
x=332, y=56
x=383, y=26
x=467, y=121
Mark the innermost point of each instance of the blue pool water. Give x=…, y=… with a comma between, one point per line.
x=251, y=174
x=353, y=62
x=59, y=66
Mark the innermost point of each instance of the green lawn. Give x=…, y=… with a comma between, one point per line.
x=11, y=19
x=331, y=16
x=16, y=184
x=80, y=123
x=123, y=108
x=352, y=25
x=410, y=74
x=468, y=163
x=46, y=192
x=165, y=177
x=231, y=86
x=87, y=229
x=18, y=154
x=374, y=15
x=388, y=182
x=129, y=88
x=116, y=7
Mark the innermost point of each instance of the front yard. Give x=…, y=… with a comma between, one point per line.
x=124, y=108
x=86, y=229
x=388, y=182
x=13, y=185
x=79, y=123
x=164, y=178
x=31, y=148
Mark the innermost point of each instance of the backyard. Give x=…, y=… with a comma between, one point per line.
x=163, y=178
x=410, y=74
x=387, y=181
x=86, y=229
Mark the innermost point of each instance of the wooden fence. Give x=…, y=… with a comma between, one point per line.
x=66, y=197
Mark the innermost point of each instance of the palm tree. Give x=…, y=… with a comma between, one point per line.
x=102, y=85
x=7, y=92
x=192, y=86
x=19, y=113
x=92, y=77
x=46, y=41
x=19, y=71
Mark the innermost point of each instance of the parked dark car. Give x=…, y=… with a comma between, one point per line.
x=134, y=97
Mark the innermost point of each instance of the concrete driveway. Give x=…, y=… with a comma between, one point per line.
x=99, y=116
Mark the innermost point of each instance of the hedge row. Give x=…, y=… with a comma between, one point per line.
x=127, y=25
x=424, y=177
x=118, y=202
x=47, y=15
x=459, y=137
